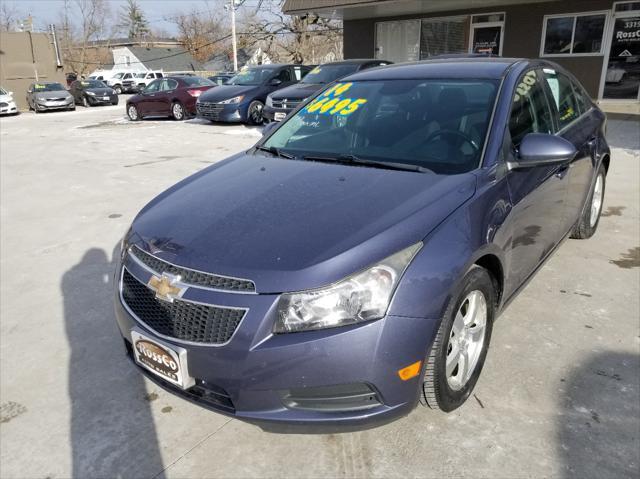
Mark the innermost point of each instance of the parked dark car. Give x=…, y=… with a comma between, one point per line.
x=221, y=78
x=353, y=262
x=169, y=97
x=242, y=98
x=92, y=93
x=283, y=102
x=43, y=96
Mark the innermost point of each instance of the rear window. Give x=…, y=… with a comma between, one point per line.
x=197, y=81
x=329, y=73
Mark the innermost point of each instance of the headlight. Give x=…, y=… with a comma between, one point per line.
x=363, y=296
x=269, y=102
x=91, y=93
x=235, y=99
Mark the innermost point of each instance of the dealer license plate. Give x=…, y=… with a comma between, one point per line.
x=167, y=362
x=106, y=98
x=279, y=116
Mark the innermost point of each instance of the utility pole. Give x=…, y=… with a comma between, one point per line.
x=233, y=4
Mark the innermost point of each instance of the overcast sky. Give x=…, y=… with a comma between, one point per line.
x=47, y=11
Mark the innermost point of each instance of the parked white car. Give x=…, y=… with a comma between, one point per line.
x=7, y=104
x=114, y=78
x=139, y=81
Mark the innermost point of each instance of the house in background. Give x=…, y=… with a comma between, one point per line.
x=170, y=60
x=27, y=57
x=597, y=40
x=223, y=62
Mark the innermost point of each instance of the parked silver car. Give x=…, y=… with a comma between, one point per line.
x=42, y=96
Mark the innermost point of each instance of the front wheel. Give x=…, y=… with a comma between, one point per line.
x=177, y=111
x=588, y=223
x=132, y=113
x=254, y=113
x=117, y=89
x=460, y=348
x=85, y=102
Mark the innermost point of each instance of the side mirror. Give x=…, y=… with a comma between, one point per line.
x=269, y=127
x=275, y=82
x=542, y=149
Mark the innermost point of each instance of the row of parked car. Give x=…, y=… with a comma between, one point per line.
x=254, y=95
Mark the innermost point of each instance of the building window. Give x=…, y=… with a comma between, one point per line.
x=440, y=36
x=573, y=34
x=398, y=41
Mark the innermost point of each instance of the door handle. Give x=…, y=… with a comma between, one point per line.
x=593, y=142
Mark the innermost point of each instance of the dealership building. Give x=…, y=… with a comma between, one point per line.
x=597, y=40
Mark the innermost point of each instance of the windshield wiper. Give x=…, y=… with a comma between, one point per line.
x=275, y=152
x=355, y=160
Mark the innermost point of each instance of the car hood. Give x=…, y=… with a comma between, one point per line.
x=290, y=225
x=6, y=98
x=299, y=91
x=224, y=92
x=100, y=91
x=46, y=95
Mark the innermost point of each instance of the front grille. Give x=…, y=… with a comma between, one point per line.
x=209, y=109
x=55, y=99
x=286, y=104
x=190, y=276
x=183, y=320
x=204, y=393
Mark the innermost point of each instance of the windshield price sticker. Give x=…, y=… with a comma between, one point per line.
x=523, y=88
x=331, y=103
x=37, y=86
x=315, y=70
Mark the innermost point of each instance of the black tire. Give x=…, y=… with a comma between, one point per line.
x=587, y=225
x=117, y=89
x=85, y=102
x=114, y=103
x=437, y=392
x=254, y=113
x=133, y=113
x=178, y=112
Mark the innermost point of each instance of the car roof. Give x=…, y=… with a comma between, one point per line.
x=356, y=61
x=487, y=67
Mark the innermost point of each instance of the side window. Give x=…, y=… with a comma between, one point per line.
x=564, y=98
x=158, y=75
x=530, y=112
x=284, y=75
x=150, y=75
x=297, y=73
x=153, y=86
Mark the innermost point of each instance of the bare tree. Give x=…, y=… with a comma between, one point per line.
x=9, y=16
x=200, y=32
x=308, y=38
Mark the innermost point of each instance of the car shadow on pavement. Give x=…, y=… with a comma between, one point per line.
x=112, y=427
x=599, y=433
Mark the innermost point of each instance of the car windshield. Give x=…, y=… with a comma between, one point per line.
x=438, y=124
x=219, y=80
x=38, y=87
x=140, y=75
x=118, y=75
x=92, y=84
x=3, y=91
x=251, y=76
x=197, y=81
x=328, y=73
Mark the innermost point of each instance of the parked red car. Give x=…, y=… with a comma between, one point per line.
x=173, y=96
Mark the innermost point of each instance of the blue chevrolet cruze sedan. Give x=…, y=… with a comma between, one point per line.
x=353, y=262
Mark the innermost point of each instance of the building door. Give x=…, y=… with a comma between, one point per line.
x=622, y=77
x=486, y=34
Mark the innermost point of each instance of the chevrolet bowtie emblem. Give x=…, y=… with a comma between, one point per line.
x=165, y=287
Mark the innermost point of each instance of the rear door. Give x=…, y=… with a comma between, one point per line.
x=537, y=194
x=580, y=124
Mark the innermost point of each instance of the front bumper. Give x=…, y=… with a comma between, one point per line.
x=231, y=113
x=100, y=100
x=260, y=372
x=55, y=105
x=9, y=108
x=271, y=113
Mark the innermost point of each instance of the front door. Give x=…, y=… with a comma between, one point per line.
x=622, y=78
x=538, y=193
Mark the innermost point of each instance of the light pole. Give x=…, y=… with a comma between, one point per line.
x=232, y=5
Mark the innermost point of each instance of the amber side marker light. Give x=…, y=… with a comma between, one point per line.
x=410, y=371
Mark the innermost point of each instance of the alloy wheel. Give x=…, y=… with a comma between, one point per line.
x=132, y=112
x=466, y=340
x=255, y=113
x=596, y=201
x=178, y=111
